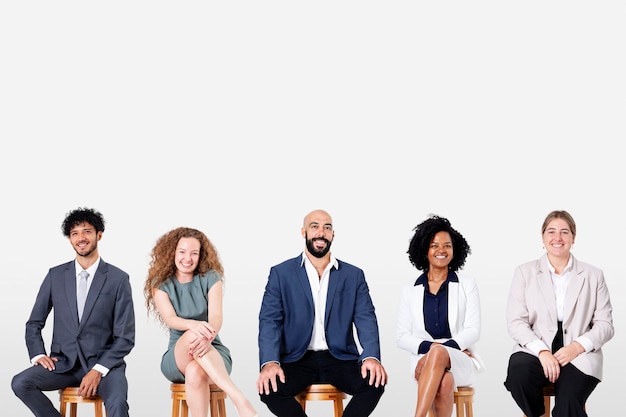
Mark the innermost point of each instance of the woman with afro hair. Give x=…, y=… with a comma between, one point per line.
x=439, y=317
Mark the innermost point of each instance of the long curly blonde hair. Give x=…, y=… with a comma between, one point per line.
x=162, y=267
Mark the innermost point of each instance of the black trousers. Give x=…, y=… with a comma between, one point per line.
x=525, y=381
x=322, y=367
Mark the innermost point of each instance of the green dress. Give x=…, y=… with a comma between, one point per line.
x=190, y=301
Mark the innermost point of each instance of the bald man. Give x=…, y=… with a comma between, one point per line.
x=311, y=305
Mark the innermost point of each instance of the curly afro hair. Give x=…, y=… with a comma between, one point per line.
x=424, y=233
x=82, y=215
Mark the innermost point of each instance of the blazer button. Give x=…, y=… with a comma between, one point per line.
x=565, y=331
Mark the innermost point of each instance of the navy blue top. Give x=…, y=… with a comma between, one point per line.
x=435, y=309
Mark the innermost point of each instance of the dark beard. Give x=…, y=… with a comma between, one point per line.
x=314, y=251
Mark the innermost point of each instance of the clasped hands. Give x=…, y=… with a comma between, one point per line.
x=552, y=364
x=200, y=345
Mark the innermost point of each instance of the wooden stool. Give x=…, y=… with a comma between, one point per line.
x=70, y=396
x=179, y=401
x=463, y=398
x=548, y=391
x=323, y=392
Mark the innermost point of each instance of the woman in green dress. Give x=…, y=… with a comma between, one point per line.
x=184, y=291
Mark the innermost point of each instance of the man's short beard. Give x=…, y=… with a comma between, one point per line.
x=315, y=252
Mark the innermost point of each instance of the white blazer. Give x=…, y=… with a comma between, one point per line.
x=463, y=318
x=531, y=312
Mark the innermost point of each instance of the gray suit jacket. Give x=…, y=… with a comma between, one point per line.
x=531, y=310
x=106, y=333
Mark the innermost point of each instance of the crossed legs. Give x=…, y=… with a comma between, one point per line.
x=435, y=386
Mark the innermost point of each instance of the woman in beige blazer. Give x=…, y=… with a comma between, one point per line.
x=559, y=314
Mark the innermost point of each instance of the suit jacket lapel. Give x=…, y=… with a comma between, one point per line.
x=453, y=307
x=70, y=289
x=333, y=280
x=94, y=291
x=303, y=278
x=574, y=287
x=547, y=288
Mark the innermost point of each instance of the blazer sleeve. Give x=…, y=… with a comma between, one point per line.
x=270, y=320
x=409, y=334
x=37, y=320
x=518, y=316
x=600, y=329
x=365, y=321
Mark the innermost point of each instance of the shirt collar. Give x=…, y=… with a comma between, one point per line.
x=423, y=279
x=91, y=270
x=567, y=268
x=333, y=260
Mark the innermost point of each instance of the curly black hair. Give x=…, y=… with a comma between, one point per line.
x=82, y=215
x=424, y=233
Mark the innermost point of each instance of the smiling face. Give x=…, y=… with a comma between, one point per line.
x=187, y=256
x=84, y=239
x=440, y=251
x=558, y=238
x=318, y=233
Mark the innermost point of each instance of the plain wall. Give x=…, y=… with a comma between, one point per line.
x=239, y=119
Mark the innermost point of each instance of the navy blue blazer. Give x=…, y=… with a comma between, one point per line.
x=106, y=333
x=287, y=314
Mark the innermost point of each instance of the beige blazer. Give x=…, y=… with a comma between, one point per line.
x=531, y=310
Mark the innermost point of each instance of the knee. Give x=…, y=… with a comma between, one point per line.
x=438, y=355
x=195, y=376
x=373, y=390
x=18, y=385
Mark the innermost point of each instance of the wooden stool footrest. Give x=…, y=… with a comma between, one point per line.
x=179, y=401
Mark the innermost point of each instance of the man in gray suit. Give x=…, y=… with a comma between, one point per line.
x=89, y=344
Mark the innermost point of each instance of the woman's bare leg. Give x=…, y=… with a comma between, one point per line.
x=444, y=400
x=214, y=370
x=428, y=385
x=197, y=390
x=213, y=365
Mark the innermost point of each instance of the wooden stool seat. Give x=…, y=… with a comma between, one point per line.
x=70, y=396
x=179, y=401
x=323, y=392
x=548, y=391
x=463, y=398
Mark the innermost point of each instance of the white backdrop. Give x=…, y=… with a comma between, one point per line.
x=239, y=119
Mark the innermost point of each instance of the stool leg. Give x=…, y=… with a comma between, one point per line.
x=175, y=408
x=338, y=402
x=214, y=408
x=217, y=405
x=546, y=404
x=460, y=408
x=98, y=409
x=184, y=408
x=73, y=409
x=222, y=408
x=63, y=408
